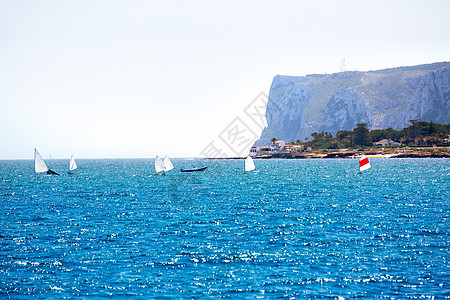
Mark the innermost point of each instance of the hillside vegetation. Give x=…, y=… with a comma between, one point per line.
x=419, y=133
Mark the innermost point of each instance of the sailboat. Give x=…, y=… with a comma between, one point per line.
x=72, y=165
x=40, y=166
x=364, y=163
x=249, y=165
x=159, y=164
x=167, y=164
x=194, y=170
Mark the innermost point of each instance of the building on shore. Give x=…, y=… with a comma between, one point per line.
x=387, y=142
x=278, y=145
x=277, y=148
x=261, y=151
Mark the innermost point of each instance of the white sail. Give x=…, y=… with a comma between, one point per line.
x=167, y=164
x=249, y=164
x=159, y=165
x=72, y=164
x=39, y=164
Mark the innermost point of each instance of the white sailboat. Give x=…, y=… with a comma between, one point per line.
x=167, y=164
x=72, y=165
x=159, y=165
x=249, y=165
x=40, y=166
x=364, y=163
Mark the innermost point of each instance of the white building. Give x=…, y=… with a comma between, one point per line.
x=279, y=144
x=386, y=142
x=258, y=151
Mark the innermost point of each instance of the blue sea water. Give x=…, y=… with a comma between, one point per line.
x=292, y=229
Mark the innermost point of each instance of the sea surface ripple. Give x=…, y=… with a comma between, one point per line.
x=292, y=229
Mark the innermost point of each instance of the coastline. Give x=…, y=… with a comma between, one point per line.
x=347, y=155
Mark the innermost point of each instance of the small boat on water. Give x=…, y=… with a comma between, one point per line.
x=249, y=165
x=194, y=170
x=163, y=165
x=364, y=163
x=40, y=166
x=72, y=165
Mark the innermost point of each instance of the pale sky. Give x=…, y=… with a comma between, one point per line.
x=145, y=78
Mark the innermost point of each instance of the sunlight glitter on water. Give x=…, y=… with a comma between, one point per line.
x=297, y=228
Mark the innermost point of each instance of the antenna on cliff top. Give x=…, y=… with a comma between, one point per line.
x=342, y=68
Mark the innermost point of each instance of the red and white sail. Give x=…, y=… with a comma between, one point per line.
x=364, y=163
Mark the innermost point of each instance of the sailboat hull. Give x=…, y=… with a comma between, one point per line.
x=193, y=170
x=50, y=172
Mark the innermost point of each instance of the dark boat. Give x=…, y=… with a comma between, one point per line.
x=194, y=170
x=50, y=172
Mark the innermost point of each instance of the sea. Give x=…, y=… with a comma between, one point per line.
x=291, y=229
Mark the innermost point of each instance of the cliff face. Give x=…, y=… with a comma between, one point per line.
x=431, y=101
x=345, y=109
x=285, y=112
x=299, y=106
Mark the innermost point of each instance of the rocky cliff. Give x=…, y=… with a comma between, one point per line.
x=299, y=106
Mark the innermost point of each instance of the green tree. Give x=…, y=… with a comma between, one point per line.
x=361, y=134
x=413, y=128
x=377, y=135
x=431, y=128
x=344, y=134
